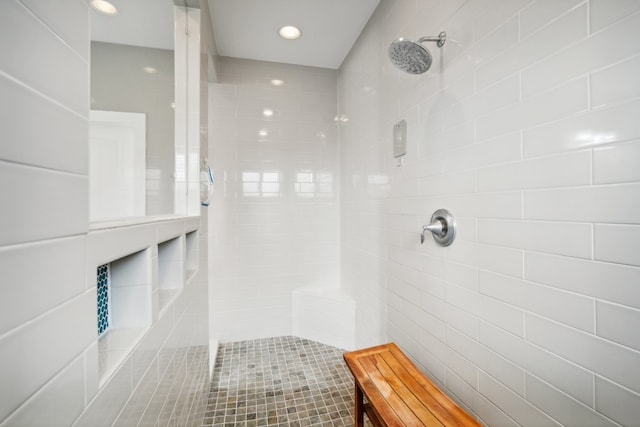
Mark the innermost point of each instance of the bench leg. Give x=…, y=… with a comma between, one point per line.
x=359, y=408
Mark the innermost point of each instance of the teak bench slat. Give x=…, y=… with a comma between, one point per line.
x=398, y=394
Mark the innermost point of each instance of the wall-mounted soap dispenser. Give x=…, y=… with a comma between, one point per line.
x=400, y=140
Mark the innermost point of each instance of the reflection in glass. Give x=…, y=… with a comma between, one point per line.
x=261, y=184
x=137, y=79
x=314, y=184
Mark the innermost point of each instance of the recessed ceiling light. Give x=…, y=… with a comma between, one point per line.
x=103, y=6
x=149, y=70
x=267, y=112
x=277, y=82
x=289, y=32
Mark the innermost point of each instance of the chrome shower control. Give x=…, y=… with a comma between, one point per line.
x=442, y=226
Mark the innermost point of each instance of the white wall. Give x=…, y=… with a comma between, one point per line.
x=274, y=211
x=526, y=128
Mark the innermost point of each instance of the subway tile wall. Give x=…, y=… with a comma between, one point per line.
x=526, y=128
x=274, y=213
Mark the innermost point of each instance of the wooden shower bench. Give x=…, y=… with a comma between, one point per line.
x=397, y=393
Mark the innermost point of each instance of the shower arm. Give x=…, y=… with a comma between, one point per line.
x=442, y=37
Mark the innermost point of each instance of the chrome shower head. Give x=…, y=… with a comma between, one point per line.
x=412, y=57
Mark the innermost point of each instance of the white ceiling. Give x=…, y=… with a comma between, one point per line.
x=249, y=29
x=147, y=23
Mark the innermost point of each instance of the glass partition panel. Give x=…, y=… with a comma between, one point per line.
x=133, y=75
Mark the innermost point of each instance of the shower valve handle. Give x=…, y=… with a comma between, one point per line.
x=442, y=226
x=437, y=227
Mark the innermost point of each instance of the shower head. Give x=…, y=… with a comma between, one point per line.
x=412, y=57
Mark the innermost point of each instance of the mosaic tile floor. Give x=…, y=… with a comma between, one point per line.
x=282, y=381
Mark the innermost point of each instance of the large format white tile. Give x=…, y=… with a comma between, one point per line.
x=450, y=358
x=20, y=33
x=427, y=323
x=566, y=376
x=59, y=141
x=488, y=412
x=617, y=243
x=69, y=20
x=551, y=237
x=495, y=258
x=512, y=404
x=486, y=48
x=586, y=350
x=602, y=280
x=40, y=204
x=563, y=101
x=608, y=204
x=506, y=205
x=539, y=14
x=110, y=400
x=613, y=45
x=616, y=83
x=558, y=171
x=38, y=277
x=603, y=13
x=562, y=407
x=560, y=33
x=503, y=149
x=502, y=94
x=616, y=163
x=453, y=183
x=32, y=354
x=493, y=14
x=613, y=322
x=602, y=126
x=617, y=403
x=495, y=312
x=492, y=363
x=571, y=309
x=58, y=403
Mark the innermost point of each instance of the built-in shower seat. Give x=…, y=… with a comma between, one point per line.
x=397, y=393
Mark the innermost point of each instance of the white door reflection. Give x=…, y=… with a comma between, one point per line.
x=117, y=166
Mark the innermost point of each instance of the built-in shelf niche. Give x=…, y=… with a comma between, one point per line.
x=191, y=240
x=130, y=306
x=171, y=269
x=148, y=264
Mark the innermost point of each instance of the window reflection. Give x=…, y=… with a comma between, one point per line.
x=378, y=185
x=261, y=184
x=314, y=184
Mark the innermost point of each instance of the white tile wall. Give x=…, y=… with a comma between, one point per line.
x=33, y=353
x=526, y=128
x=48, y=316
x=274, y=215
x=30, y=295
x=48, y=345
x=59, y=402
x=324, y=316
